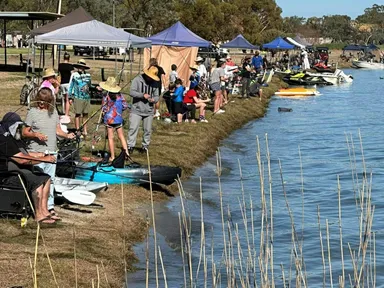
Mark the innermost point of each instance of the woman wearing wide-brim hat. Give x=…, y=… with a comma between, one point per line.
x=50, y=81
x=81, y=64
x=195, y=77
x=201, y=67
x=145, y=94
x=79, y=91
x=113, y=106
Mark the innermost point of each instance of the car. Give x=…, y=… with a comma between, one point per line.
x=82, y=50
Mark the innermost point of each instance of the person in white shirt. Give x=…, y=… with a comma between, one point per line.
x=304, y=54
x=173, y=75
x=202, y=70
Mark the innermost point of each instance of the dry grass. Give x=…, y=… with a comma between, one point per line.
x=100, y=235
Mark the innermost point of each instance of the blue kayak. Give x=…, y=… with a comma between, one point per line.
x=130, y=174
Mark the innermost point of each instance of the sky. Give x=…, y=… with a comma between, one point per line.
x=306, y=9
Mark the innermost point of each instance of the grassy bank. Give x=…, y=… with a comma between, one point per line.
x=85, y=245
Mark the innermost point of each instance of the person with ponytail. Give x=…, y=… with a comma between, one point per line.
x=113, y=106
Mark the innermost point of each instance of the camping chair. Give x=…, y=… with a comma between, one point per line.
x=13, y=200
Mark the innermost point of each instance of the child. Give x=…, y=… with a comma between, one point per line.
x=113, y=106
x=168, y=97
x=177, y=107
x=173, y=75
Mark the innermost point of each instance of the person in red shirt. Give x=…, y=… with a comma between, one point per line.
x=192, y=101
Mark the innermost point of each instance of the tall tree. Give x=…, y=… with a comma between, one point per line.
x=338, y=27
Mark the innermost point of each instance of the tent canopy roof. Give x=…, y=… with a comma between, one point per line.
x=354, y=47
x=278, y=43
x=24, y=15
x=76, y=16
x=294, y=42
x=302, y=41
x=239, y=42
x=180, y=36
x=92, y=33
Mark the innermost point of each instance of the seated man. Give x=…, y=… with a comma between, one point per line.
x=14, y=157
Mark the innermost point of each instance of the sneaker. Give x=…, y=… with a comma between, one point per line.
x=203, y=120
x=144, y=150
x=186, y=121
x=220, y=111
x=157, y=114
x=130, y=150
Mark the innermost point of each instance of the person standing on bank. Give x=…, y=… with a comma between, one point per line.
x=65, y=71
x=246, y=77
x=79, y=89
x=257, y=62
x=145, y=94
x=42, y=127
x=162, y=79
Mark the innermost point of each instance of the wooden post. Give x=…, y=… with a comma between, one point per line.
x=5, y=42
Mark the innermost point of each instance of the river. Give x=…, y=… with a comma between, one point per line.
x=312, y=139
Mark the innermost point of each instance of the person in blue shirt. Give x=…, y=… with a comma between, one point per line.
x=257, y=62
x=178, y=96
x=195, y=77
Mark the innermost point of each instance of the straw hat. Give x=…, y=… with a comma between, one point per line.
x=194, y=67
x=110, y=85
x=199, y=59
x=81, y=64
x=49, y=72
x=152, y=73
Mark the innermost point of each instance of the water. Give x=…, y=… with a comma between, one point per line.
x=318, y=128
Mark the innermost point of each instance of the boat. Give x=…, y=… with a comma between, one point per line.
x=64, y=184
x=297, y=91
x=335, y=78
x=133, y=173
x=367, y=65
x=303, y=79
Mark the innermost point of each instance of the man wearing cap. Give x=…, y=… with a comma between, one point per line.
x=145, y=94
x=79, y=89
x=14, y=157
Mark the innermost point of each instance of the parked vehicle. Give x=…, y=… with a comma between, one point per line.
x=87, y=50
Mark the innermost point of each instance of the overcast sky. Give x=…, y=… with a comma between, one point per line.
x=352, y=8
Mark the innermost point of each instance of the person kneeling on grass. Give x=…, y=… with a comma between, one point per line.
x=177, y=107
x=113, y=106
x=14, y=157
x=145, y=94
x=43, y=126
x=192, y=101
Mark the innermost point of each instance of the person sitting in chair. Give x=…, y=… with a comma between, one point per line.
x=14, y=157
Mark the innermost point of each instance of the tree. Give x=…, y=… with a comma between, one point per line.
x=373, y=15
x=338, y=27
x=293, y=24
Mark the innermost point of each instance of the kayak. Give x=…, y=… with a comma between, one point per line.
x=65, y=184
x=130, y=174
x=298, y=91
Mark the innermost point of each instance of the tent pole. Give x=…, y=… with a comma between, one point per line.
x=5, y=42
x=58, y=57
x=28, y=59
x=116, y=61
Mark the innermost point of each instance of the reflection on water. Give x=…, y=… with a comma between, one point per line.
x=318, y=129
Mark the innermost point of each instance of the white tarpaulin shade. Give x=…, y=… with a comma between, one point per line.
x=92, y=33
x=293, y=42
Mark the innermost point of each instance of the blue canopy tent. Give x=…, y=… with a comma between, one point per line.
x=175, y=45
x=278, y=43
x=178, y=36
x=239, y=42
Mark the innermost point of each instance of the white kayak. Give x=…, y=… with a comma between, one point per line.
x=77, y=196
x=65, y=184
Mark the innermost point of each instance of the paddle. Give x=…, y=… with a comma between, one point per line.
x=80, y=197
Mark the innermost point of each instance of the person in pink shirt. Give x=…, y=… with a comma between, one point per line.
x=50, y=81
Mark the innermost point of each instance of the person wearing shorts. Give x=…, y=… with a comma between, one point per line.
x=113, y=106
x=177, y=103
x=14, y=157
x=218, y=75
x=79, y=89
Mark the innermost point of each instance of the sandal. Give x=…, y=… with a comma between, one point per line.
x=46, y=220
x=54, y=215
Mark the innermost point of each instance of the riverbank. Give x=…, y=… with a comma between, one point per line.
x=85, y=246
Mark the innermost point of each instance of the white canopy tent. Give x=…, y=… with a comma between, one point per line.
x=92, y=33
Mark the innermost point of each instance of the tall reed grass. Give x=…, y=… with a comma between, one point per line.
x=246, y=263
